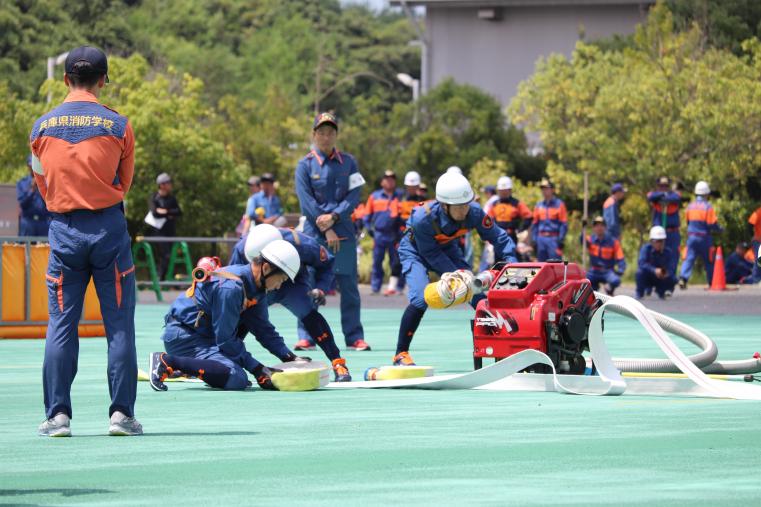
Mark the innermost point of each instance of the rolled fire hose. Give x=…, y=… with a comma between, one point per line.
x=705, y=359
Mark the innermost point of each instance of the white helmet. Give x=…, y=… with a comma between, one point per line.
x=258, y=237
x=412, y=179
x=504, y=183
x=454, y=169
x=453, y=188
x=702, y=188
x=657, y=232
x=282, y=254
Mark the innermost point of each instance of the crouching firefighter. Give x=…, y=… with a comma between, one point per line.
x=430, y=243
x=205, y=327
x=298, y=295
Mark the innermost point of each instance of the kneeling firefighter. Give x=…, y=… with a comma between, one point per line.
x=205, y=327
x=297, y=295
x=430, y=243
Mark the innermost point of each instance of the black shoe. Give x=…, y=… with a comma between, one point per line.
x=159, y=371
x=683, y=283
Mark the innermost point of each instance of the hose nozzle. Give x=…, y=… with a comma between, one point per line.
x=482, y=282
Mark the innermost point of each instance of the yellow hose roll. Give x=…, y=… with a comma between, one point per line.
x=450, y=291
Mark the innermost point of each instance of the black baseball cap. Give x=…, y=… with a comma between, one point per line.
x=94, y=56
x=268, y=177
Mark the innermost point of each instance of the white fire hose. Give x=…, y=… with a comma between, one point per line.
x=505, y=375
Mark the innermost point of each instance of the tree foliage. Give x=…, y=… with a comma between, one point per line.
x=670, y=105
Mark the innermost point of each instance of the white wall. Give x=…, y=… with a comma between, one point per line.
x=497, y=55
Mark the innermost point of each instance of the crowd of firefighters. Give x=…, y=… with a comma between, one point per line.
x=541, y=234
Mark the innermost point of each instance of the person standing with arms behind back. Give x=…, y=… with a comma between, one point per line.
x=83, y=162
x=327, y=185
x=162, y=219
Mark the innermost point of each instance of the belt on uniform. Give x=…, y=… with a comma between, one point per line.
x=549, y=234
x=697, y=233
x=672, y=229
x=87, y=211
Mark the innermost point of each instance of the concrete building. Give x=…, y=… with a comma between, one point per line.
x=494, y=44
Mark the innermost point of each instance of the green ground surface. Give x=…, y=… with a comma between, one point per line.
x=205, y=447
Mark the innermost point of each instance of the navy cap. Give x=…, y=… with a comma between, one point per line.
x=546, y=183
x=323, y=118
x=94, y=56
x=617, y=187
x=491, y=189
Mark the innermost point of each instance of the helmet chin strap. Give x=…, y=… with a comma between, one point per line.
x=446, y=210
x=274, y=270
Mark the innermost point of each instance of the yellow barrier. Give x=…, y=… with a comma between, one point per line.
x=24, y=292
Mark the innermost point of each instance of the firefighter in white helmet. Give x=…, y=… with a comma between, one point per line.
x=303, y=295
x=701, y=223
x=430, y=244
x=206, y=325
x=654, y=266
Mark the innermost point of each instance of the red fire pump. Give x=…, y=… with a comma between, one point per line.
x=541, y=306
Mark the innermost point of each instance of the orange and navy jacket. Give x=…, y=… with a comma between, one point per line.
x=407, y=204
x=550, y=219
x=510, y=214
x=665, y=206
x=701, y=218
x=611, y=215
x=382, y=213
x=83, y=155
x=755, y=222
x=605, y=253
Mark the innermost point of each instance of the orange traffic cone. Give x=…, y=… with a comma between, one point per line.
x=719, y=281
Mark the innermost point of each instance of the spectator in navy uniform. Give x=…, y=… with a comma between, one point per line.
x=34, y=218
x=739, y=265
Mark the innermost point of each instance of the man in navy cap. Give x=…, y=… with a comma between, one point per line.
x=611, y=210
x=34, y=218
x=83, y=162
x=328, y=184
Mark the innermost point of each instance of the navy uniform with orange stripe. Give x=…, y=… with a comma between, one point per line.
x=205, y=328
x=549, y=228
x=665, y=204
x=83, y=163
x=383, y=221
x=316, y=272
x=701, y=222
x=606, y=261
x=431, y=243
x=330, y=184
x=511, y=215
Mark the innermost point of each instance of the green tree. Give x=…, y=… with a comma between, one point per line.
x=670, y=105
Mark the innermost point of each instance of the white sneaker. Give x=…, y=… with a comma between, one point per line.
x=57, y=426
x=123, y=426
